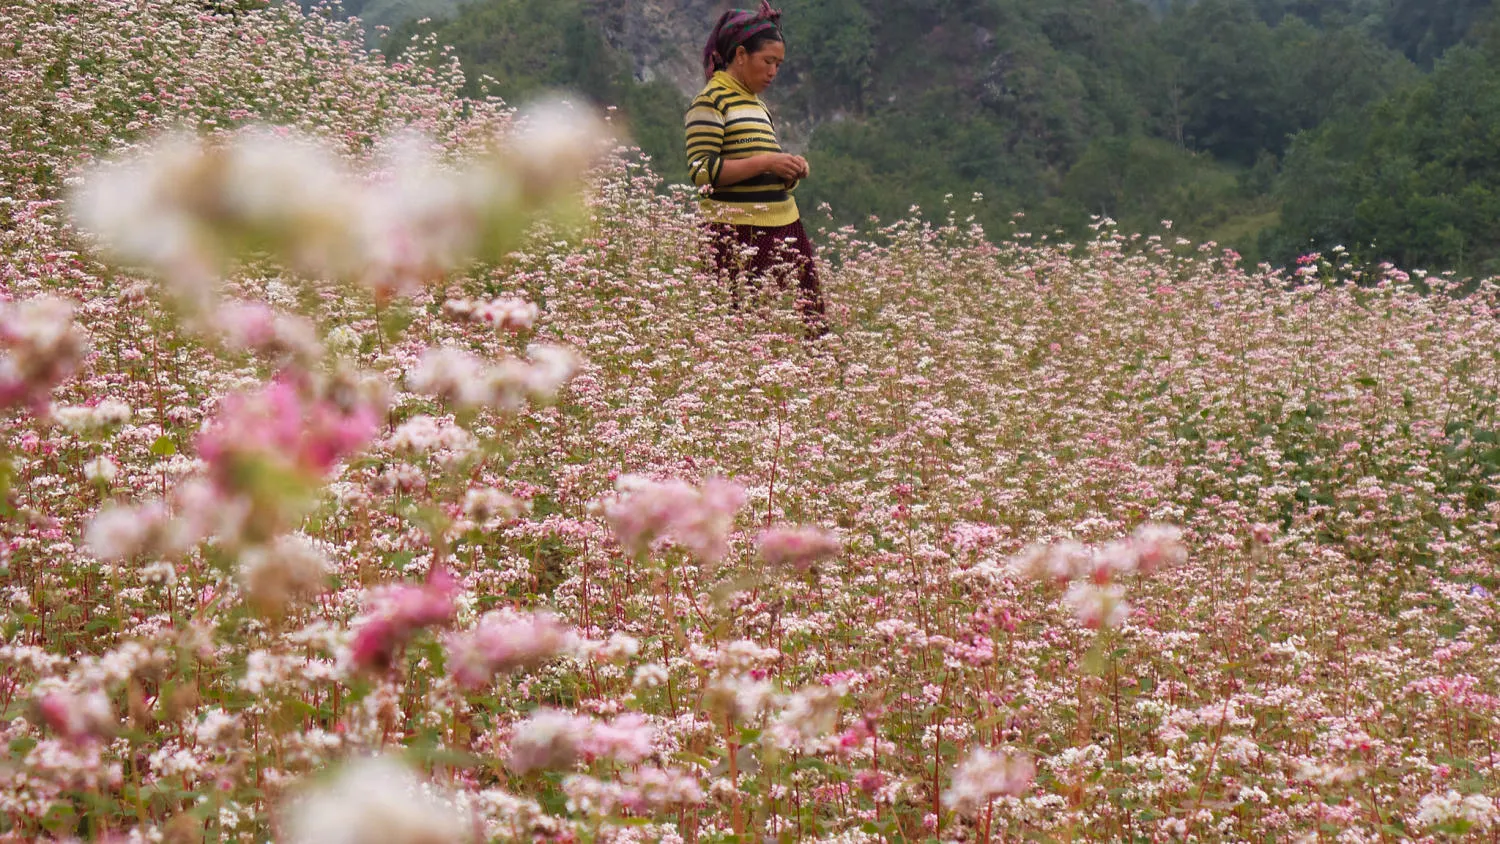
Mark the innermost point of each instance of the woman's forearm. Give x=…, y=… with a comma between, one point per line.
x=736, y=170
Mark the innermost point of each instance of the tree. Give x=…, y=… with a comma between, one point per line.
x=835, y=42
x=1233, y=80
x=1414, y=179
x=1425, y=29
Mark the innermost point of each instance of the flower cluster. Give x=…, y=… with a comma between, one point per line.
x=797, y=547
x=697, y=518
x=184, y=206
x=220, y=513
x=551, y=739
x=986, y=774
x=503, y=642
x=1097, y=601
x=39, y=347
x=467, y=381
x=399, y=613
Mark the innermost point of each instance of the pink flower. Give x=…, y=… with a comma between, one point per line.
x=548, y=739
x=552, y=739
x=77, y=718
x=502, y=314
x=405, y=610
x=699, y=519
x=661, y=788
x=1057, y=563
x=281, y=426
x=1159, y=546
x=253, y=326
x=869, y=781
x=986, y=774
x=798, y=547
x=627, y=739
x=39, y=348
x=504, y=642
x=1097, y=606
x=1262, y=533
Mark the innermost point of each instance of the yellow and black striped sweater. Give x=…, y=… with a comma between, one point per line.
x=726, y=121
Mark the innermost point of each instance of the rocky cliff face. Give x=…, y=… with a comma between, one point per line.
x=661, y=39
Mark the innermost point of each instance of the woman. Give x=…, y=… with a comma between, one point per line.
x=734, y=158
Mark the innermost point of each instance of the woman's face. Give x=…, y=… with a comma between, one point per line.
x=758, y=69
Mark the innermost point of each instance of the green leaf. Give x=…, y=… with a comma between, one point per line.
x=695, y=759
x=164, y=446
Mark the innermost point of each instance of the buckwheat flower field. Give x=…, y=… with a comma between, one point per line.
x=384, y=466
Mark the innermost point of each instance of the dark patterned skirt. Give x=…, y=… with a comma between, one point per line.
x=746, y=257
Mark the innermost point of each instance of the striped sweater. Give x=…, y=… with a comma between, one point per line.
x=726, y=121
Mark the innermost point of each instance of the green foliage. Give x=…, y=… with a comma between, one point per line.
x=1425, y=29
x=837, y=39
x=1414, y=179
x=1140, y=181
x=1240, y=120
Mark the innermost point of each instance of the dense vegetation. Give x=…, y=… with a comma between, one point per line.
x=1275, y=126
x=339, y=503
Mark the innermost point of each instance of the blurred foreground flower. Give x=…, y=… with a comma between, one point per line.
x=698, y=518
x=467, y=381
x=505, y=641
x=1097, y=607
x=289, y=569
x=187, y=207
x=1093, y=595
x=279, y=429
x=375, y=799
x=39, y=348
x=552, y=739
x=984, y=775
x=400, y=612
x=502, y=314
x=798, y=547
x=269, y=451
x=77, y=717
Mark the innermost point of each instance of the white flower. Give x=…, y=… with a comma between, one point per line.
x=555, y=145
x=343, y=340
x=101, y=469
x=987, y=774
x=1097, y=606
x=450, y=374
x=118, y=532
x=1474, y=810
x=650, y=676
x=375, y=799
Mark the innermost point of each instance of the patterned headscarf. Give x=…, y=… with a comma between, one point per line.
x=734, y=28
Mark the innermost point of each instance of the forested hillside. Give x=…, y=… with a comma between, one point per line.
x=1277, y=127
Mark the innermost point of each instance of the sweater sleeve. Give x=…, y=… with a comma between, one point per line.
x=705, y=142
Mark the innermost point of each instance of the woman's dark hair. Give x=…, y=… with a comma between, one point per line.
x=740, y=28
x=760, y=39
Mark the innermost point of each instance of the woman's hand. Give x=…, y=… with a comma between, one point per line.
x=786, y=167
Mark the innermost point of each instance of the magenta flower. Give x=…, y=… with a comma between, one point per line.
x=282, y=426
x=400, y=614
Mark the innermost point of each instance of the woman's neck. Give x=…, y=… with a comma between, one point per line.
x=739, y=80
